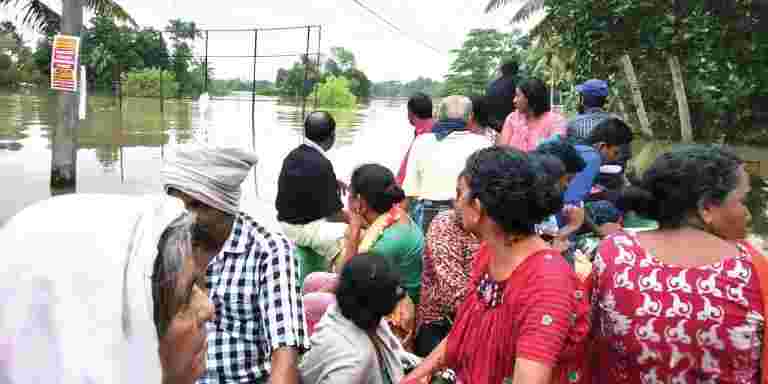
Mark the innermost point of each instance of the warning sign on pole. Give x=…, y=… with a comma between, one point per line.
x=64, y=59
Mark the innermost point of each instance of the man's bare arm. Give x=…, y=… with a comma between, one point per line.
x=284, y=366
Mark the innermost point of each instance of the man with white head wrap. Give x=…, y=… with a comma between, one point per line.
x=251, y=272
x=77, y=305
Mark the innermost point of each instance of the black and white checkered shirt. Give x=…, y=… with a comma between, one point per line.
x=254, y=285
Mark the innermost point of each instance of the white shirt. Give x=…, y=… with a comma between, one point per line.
x=314, y=145
x=434, y=166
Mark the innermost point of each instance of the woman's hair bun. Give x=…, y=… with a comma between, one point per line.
x=395, y=193
x=639, y=200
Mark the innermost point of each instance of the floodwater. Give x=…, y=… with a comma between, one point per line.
x=122, y=150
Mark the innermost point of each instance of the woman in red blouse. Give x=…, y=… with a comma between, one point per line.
x=681, y=304
x=517, y=316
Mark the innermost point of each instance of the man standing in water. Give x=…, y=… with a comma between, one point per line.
x=251, y=273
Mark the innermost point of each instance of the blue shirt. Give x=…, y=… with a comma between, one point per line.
x=581, y=185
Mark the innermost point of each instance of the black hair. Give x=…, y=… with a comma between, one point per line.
x=168, y=264
x=509, y=68
x=377, y=186
x=480, y=111
x=611, y=131
x=679, y=182
x=566, y=152
x=511, y=188
x=420, y=104
x=548, y=166
x=319, y=126
x=368, y=289
x=590, y=101
x=538, y=96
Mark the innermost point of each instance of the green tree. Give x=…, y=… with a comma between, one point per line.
x=16, y=59
x=478, y=59
x=183, y=33
x=146, y=83
x=335, y=92
x=108, y=50
x=359, y=83
x=344, y=58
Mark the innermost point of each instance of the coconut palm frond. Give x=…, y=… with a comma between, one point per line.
x=39, y=16
x=43, y=18
x=495, y=4
x=110, y=8
x=529, y=8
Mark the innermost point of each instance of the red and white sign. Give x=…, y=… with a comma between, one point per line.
x=64, y=59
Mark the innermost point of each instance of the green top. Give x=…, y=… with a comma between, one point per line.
x=403, y=246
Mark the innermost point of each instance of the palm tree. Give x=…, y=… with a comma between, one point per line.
x=527, y=10
x=43, y=18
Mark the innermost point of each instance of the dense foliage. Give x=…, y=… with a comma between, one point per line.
x=722, y=58
x=407, y=89
x=334, y=92
x=147, y=83
x=341, y=64
x=479, y=58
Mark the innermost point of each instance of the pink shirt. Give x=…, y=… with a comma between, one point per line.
x=525, y=134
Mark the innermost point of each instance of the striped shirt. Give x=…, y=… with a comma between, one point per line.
x=581, y=126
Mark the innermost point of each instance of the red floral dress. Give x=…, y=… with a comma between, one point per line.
x=660, y=323
x=447, y=262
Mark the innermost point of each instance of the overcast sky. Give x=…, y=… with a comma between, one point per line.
x=381, y=52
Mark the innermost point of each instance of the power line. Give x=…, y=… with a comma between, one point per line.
x=396, y=28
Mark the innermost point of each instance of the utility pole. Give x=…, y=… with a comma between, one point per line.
x=64, y=140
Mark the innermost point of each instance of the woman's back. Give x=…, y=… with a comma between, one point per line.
x=402, y=244
x=659, y=322
x=343, y=353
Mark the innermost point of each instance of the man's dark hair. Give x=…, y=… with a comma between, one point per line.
x=319, y=126
x=566, y=152
x=550, y=165
x=369, y=289
x=480, y=111
x=509, y=68
x=611, y=131
x=590, y=101
x=512, y=188
x=681, y=181
x=420, y=104
x=538, y=96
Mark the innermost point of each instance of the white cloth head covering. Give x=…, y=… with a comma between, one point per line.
x=210, y=175
x=75, y=290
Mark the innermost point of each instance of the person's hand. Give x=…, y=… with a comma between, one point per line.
x=406, y=312
x=408, y=379
x=561, y=244
x=356, y=222
x=609, y=228
x=574, y=215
